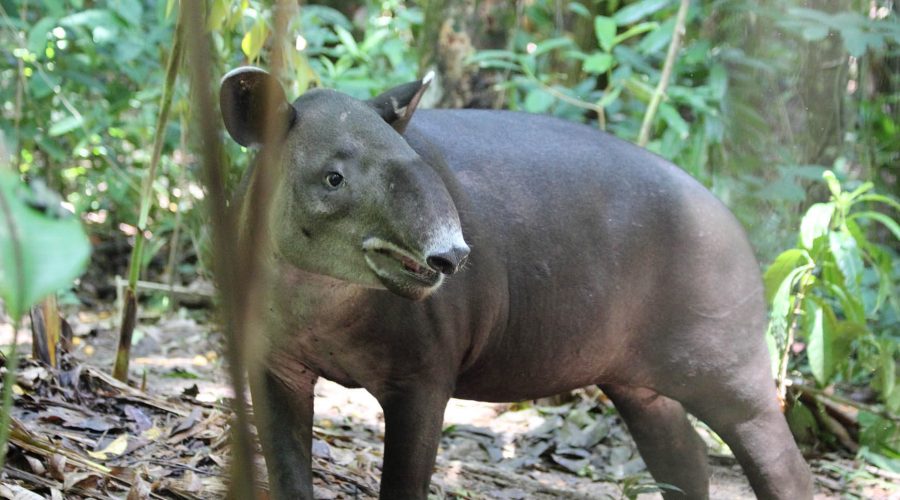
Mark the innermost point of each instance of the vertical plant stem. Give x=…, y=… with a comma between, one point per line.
x=12, y=365
x=20, y=94
x=16, y=310
x=674, y=46
x=796, y=311
x=129, y=312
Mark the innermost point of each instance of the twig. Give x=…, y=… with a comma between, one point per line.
x=844, y=401
x=674, y=46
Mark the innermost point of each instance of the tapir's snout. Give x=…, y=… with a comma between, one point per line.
x=450, y=261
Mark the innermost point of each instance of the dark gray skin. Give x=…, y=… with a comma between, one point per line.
x=592, y=262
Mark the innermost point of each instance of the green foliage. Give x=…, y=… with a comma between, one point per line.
x=837, y=289
x=42, y=247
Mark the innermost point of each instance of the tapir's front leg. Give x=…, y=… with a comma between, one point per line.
x=284, y=419
x=413, y=417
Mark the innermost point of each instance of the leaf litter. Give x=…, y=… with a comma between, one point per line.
x=78, y=433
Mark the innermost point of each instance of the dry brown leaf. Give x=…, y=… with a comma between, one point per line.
x=57, y=466
x=85, y=480
x=140, y=489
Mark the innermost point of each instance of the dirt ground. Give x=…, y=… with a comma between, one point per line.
x=176, y=428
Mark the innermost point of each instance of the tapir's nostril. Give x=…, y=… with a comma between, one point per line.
x=448, y=262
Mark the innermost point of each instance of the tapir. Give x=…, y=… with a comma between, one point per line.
x=499, y=256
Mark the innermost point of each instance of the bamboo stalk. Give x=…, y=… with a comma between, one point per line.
x=674, y=46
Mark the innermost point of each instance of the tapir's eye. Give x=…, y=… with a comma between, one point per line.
x=334, y=179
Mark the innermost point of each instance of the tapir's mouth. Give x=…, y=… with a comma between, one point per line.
x=399, y=270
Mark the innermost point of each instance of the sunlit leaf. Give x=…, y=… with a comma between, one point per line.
x=597, y=63
x=815, y=223
x=847, y=257
x=605, y=29
x=779, y=270
x=41, y=251
x=639, y=10
x=253, y=40
x=538, y=101
x=635, y=30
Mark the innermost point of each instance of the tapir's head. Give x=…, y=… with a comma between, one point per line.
x=352, y=199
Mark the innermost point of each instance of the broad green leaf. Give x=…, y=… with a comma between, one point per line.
x=597, y=63
x=638, y=29
x=347, y=41
x=538, y=101
x=815, y=223
x=888, y=222
x=579, y=9
x=609, y=97
x=65, y=125
x=847, y=257
x=886, y=373
x=818, y=338
x=40, y=251
x=782, y=266
x=218, y=12
x=673, y=119
x=253, y=40
x=37, y=35
x=605, y=29
x=781, y=302
x=639, y=10
x=880, y=198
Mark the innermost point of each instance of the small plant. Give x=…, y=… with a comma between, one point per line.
x=836, y=290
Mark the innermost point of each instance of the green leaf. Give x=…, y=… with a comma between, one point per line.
x=780, y=268
x=609, y=97
x=347, y=41
x=37, y=35
x=833, y=184
x=41, y=251
x=815, y=223
x=605, y=29
x=636, y=30
x=597, y=63
x=674, y=120
x=579, y=8
x=880, y=198
x=65, y=125
x=847, y=257
x=781, y=302
x=253, y=40
x=888, y=222
x=639, y=10
x=218, y=12
x=552, y=44
x=818, y=337
x=538, y=101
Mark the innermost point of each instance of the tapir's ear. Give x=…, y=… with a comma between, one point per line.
x=397, y=105
x=247, y=96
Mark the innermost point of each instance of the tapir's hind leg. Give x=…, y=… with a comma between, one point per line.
x=673, y=452
x=757, y=433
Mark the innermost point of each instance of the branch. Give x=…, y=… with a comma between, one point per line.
x=677, y=35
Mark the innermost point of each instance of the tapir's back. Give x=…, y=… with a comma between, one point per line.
x=586, y=236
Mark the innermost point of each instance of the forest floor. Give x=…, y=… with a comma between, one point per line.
x=79, y=434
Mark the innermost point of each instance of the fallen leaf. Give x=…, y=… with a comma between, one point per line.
x=57, y=467
x=139, y=490
x=36, y=466
x=115, y=448
x=15, y=492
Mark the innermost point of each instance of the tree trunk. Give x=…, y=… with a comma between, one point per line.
x=453, y=30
